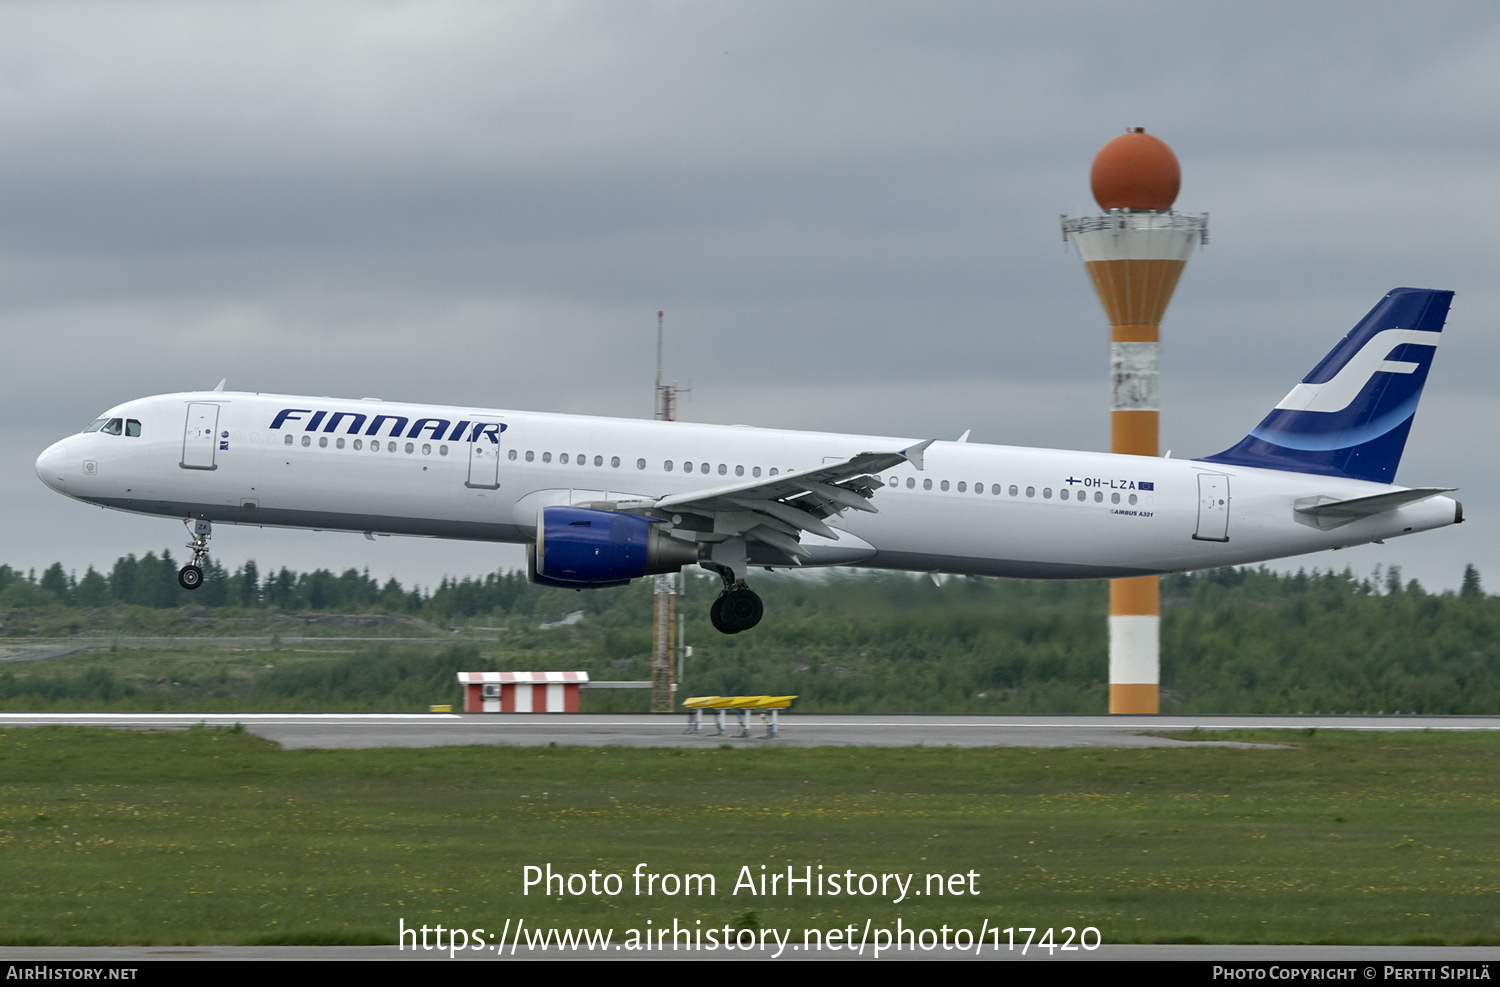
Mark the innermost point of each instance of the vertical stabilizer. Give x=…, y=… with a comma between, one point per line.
x=1350, y=416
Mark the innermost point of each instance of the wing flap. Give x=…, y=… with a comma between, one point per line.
x=775, y=510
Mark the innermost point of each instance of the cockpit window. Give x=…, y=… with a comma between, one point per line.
x=97, y=425
x=132, y=428
x=112, y=427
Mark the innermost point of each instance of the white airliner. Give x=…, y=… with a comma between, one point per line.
x=600, y=501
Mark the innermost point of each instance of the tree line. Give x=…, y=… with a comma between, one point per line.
x=1233, y=640
x=151, y=581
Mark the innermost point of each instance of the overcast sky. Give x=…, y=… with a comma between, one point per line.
x=849, y=212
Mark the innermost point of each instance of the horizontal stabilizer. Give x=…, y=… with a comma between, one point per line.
x=1326, y=512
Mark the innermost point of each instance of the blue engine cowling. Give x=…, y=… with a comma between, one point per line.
x=577, y=548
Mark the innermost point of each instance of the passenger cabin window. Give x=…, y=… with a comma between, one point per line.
x=546, y=457
x=132, y=428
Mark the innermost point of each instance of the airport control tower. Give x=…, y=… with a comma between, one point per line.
x=1134, y=252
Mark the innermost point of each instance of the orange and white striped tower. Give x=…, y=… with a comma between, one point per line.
x=1135, y=252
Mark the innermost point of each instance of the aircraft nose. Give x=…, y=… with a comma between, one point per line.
x=50, y=466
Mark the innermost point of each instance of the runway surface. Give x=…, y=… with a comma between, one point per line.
x=356, y=730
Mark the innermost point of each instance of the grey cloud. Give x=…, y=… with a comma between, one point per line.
x=848, y=210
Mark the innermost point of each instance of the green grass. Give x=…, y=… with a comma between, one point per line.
x=218, y=836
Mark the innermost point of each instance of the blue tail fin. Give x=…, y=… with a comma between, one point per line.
x=1351, y=415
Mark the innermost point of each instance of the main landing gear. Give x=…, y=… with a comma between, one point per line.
x=190, y=576
x=737, y=608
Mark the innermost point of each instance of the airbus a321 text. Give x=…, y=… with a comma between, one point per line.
x=602, y=501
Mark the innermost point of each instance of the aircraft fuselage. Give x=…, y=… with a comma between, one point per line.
x=482, y=474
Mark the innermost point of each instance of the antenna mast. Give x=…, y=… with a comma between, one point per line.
x=657, y=397
x=666, y=394
x=664, y=653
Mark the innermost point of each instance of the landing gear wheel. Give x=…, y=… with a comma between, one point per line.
x=190, y=576
x=716, y=616
x=737, y=610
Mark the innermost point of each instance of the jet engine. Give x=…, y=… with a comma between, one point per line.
x=581, y=548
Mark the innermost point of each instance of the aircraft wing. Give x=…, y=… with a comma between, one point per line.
x=776, y=510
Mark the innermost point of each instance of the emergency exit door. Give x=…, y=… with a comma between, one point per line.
x=1213, y=507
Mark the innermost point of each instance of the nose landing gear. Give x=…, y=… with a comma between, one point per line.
x=190, y=576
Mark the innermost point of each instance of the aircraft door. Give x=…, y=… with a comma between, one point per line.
x=1213, y=507
x=198, y=438
x=484, y=456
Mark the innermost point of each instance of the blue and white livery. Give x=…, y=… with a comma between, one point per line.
x=1351, y=415
x=601, y=501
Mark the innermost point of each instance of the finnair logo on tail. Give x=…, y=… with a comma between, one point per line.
x=1340, y=392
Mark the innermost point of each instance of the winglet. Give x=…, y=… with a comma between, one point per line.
x=914, y=454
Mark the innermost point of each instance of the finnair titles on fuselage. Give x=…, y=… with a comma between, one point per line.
x=600, y=501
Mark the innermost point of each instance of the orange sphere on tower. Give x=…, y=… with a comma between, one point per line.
x=1135, y=171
